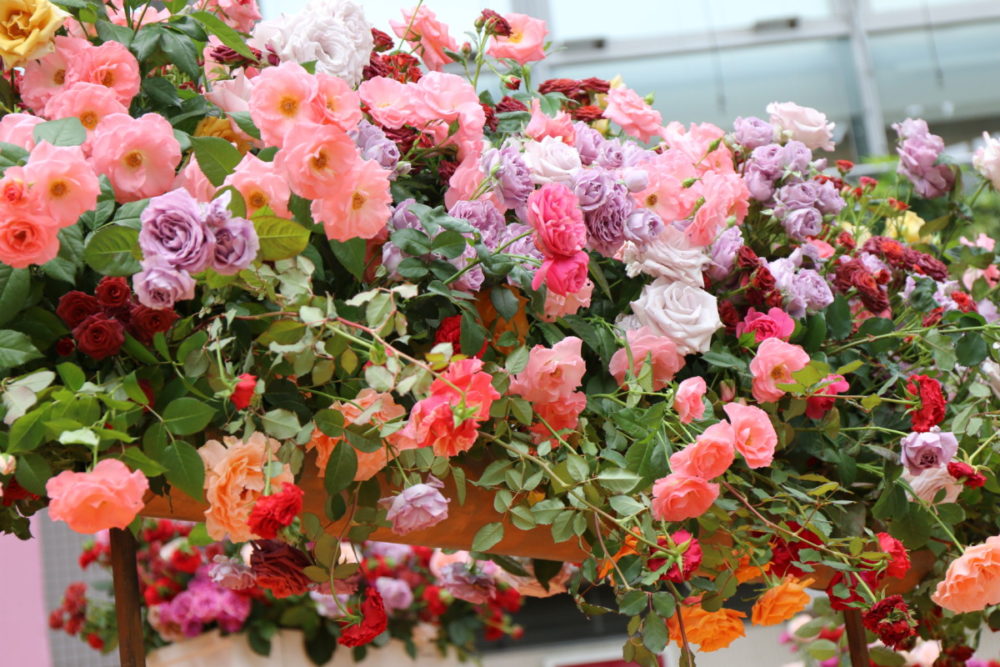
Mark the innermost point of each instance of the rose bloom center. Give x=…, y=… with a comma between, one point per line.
x=134, y=159
x=288, y=106
x=89, y=119
x=357, y=201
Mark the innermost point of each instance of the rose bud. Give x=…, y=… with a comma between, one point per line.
x=244, y=390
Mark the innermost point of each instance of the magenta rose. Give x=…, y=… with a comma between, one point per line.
x=554, y=212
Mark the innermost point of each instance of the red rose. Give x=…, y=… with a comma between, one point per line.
x=145, y=322
x=931, y=410
x=746, y=258
x=508, y=103
x=186, y=560
x=595, y=85
x=899, y=561
x=74, y=307
x=95, y=641
x=508, y=599
x=690, y=559
x=65, y=346
x=373, y=622
x=565, y=86
x=276, y=511
x=382, y=41
x=450, y=331
x=783, y=553
x=491, y=117
x=493, y=23
x=969, y=476
x=244, y=391
x=99, y=336
x=279, y=567
x=964, y=302
x=842, y=593
x=432, y=598
x=512, y=82
x=844, y=166
x=587, y=113
x=890, y=621
x=113, y=292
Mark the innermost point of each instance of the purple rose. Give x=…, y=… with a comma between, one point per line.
x=802, y=223
x=231, y=573
x=768, y=160
x=327, y=605
x=723, y=253
x=588, y=142
x=933, y=449
x=465, y=584
x=396, y=593
x=752, y=132
x=829, y=200
x=159, y=285
x=374, y=145
x=236, y=246
x=642, y=226
x=796, y=156
x=396, y=554
x=216, y=212
x=472, y=280
x=482, y=215
x=813, y=289
x=174, y=229
x=592, y=187
x=918, y=152
x=796, y=195
x=606, y=223
x=417, y=507
x=513, y=178
x=610, y=154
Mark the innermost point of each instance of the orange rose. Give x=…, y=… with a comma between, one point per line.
x=369, y=463
x=109, y=496
x=498, y=325
x=972, y=581
x=710, y=630
x=745, y=572
x=780, y=603
x=234, y=480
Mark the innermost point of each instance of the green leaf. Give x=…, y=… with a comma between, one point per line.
x=14, y=286
x=664, y=604
x=654, y=633
x=723, y=359
x=32, y=473
x=281, y=238
x=971, y=349
x=62, y=132
x=618, y=480
x=351, y=254
x=632, y=603
x=214, y=25
x=487, y=537
x=111, y=251
x=341, y=468
x=216, y=157
x=28, y=431
x=72, y=376
x=182, y=52
x=878, y=326
x=504, y=301
x=281, y=424
x=838, y=318
x=626, y=505
x=187, y=415
x=242, y=118
x=16, y=349
x=199, y=537
x=69, y=260
x=137, y=459
x=184, y=468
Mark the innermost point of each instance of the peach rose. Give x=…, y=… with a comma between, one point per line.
x=774, y=364
x=552, y=373
x=711, y=454
x=234, y=480
x=710, y=630
x=755, y=435
x=687, y=400
x=109, y=496
x=427, y=36
x=646, y=346
x=633, y=114
x=678, y=497
x=369, y=463
x=972, y=581
x=781, y=603
x=526, y=41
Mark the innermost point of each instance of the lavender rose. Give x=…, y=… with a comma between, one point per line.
x=159, y=285
x=513, y=180
x=933, y=449
x=588, y=142
x=465, y=584
x=174, y=229
x=482, y=215
x=396, y=593
x=236, y=246
x=417, y=507
x=723, y=253
x=374, y=145
x=918, y=151
x=592, y=187
x=752, y=132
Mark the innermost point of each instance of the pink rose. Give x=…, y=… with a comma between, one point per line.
x=281, y=99
x=633, y=114
x=111, y=65
x=802, y=124
x=18, y=129
x=391, y=103
x=711, y=454
x=755, y=435
x=678, y=497
x=554, y=212
x=109, y=496
x=562, y=275
x=774, y=364
x=646, y=346
x=773, y=324
x=466, y=181
x=552, y=373
x=560, y=415
x=560, y=305
x=687, y=400
x=526, y=42
x=823, y=399
x=428, y=36
x=65, y=180
x=726, y=196
x=824, y=249
x=542, y=125
x=315, y=159
x=138, y=155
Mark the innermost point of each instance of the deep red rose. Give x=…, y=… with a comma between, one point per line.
x=373, y=622
x=512, y=82
x=403, y=67
x=933, y=317
x=784, y=553
x=508, y=103
x=446, y=168
x=890, y=621
x=113, y=292
x=838, y=600
x=382, y=41
x=690, y=559
x=403, y=137
x=74, y=307
x=930, y=411
x=65, y=346
x=491, y=117
x=729, y=315
x=899, y=560
x=926, y=265
x=565, y=86
x=186, y=560
x=493, y=630
x=845, y=240
x=450, y=331
x=432, y=598
x=587, y=113
x=493, y=24
x=762, y=279
x=954, y=656
x=969, y=476
x=507, y=599
x=244, y=391
x=272, y=513
x=145, y=322
x=279, y=567
x=13, y=491
x=376, y=67
x=746, y=258
x=595, y=85
x=964, y=302
x=99, y=336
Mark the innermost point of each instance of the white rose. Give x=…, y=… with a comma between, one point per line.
x=8, y=464
x=551, y=161
x=802, y=124
x=931, y=480
x=333, y=33
x=991, y=370
x=670, y=255
x=987, y=160
x=686, y=315
x=923, y=654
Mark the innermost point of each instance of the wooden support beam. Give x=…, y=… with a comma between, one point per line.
x=857, y=641
x=128, y=604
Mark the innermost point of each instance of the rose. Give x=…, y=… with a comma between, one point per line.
x=99, y=336
x=27, y=238
x=752, y=132
x=174, y=229
x=554, y=211
x=113, y=292
x=525, y=42
x=685, y=314
x=109, y=496
x=755, y=435
x=932, y=407
x=26, y=29
x=551, y=161
x=971, y=583
x=823, y=399
x=679, y=497
x=279, y=568
x=669, y=255
x=688, y=401
x=986, y=160
x=417, y=507
x=645, y=346
x=396, y=593
x=774, y=364
x=145, y=322
x=562, y=275
x=373, y=622
x=551, y=374
x=931, y=449
x=468, y=582
x=243, y=391
x=802, y=124
x=689, y=560
x=272, y=513
x=75, y=306
x=711, y=454
x=160, y=286
x=236, y=246
x=633, y=114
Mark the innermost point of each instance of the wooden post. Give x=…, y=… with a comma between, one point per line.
x=128, y=609
x=857, y=641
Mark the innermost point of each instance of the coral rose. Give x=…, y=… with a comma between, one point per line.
x=781, y=603
x=774, y=364
x=65, y=182
x=972, y=581
x=678, y=497
x=234, y=481
x=109, y=496
x=552, y=373
x=260, y=186
x=427, y=36
x=659, y=351
x=281, y=99
x=711, y=454
x=138, y=155
x=687, y=400
x=27, y=238
x=359, y=204
x=525, y=43
x=315, y=157
x=710, y=630
x=633, y=114
x=110, y=65
x=755, y=435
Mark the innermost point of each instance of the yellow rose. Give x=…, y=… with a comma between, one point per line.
x=860, y=234
x=906, y=226
x=27, y=28
x=211, y=126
